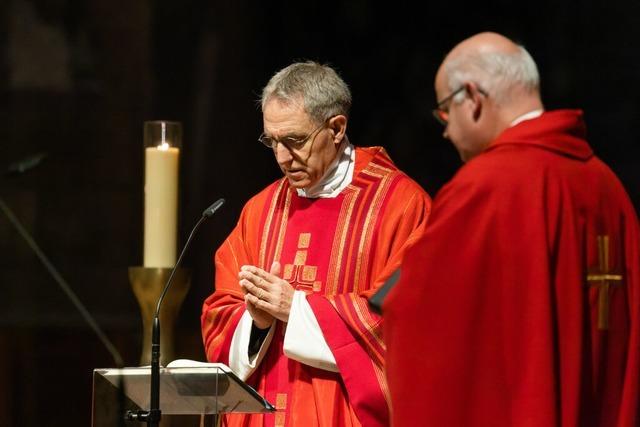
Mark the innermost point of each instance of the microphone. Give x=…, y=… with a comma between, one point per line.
x=213, y=208
x=152, y=417
x=25, y=164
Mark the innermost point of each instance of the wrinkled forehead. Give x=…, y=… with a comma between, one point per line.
x=290, y=102
x=285, y=116
x=278, y=105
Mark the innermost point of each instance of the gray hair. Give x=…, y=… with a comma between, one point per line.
x=495, y=72
x=323, y=93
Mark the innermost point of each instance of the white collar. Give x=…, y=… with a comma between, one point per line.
x=526, y=116
x=338, y=175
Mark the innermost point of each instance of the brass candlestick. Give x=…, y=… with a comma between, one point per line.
x=147, y=284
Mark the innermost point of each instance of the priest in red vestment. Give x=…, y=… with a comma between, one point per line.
x=289, y=313
x=520, y=305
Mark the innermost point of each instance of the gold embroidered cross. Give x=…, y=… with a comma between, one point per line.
x=302, y=276
x=603, y=278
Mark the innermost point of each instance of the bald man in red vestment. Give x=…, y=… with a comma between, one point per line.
x=289, y=313
x=520, y=305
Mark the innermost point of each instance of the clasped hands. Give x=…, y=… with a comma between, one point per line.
x=267, y=296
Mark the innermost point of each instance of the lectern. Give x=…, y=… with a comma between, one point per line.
x=203, y=389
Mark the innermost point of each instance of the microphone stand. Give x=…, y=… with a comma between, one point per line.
x=154, y=414
x=21, y=167
x=62, y=283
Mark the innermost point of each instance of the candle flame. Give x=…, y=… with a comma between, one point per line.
x=164, y=146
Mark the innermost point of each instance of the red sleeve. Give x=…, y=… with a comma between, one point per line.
x=223, y=309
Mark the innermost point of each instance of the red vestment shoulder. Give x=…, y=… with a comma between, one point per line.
x=495, y=318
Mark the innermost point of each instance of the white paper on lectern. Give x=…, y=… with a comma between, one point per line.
x=188, y=363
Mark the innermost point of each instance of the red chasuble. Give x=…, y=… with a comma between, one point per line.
x=520, y=306
x=339, y=251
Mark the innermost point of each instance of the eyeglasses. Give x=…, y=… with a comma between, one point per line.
x=291, y=142
x=441, y=113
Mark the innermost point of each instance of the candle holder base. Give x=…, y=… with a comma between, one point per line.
x=147, y=284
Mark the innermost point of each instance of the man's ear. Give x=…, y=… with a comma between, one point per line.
x=477, y=100
x=338, y=128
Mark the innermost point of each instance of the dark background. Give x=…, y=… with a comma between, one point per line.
x=79, y=77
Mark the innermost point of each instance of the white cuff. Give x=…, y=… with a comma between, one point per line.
x=303, y=340
x=239, y=360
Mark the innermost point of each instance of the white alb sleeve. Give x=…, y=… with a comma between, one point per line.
x=239, y=360
x=303, y=340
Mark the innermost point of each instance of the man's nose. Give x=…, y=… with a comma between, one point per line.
x=283, y=154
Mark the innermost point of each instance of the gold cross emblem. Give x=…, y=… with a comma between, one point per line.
x=302, y=276
x=603, y=278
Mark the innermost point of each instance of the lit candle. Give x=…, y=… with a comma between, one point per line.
x=160, y=200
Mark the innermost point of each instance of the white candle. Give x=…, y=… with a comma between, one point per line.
x=160, y=205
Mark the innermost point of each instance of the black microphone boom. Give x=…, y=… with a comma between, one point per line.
x=23, y=166
x=62, y=283
x=152, y=417
x=208, y=213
